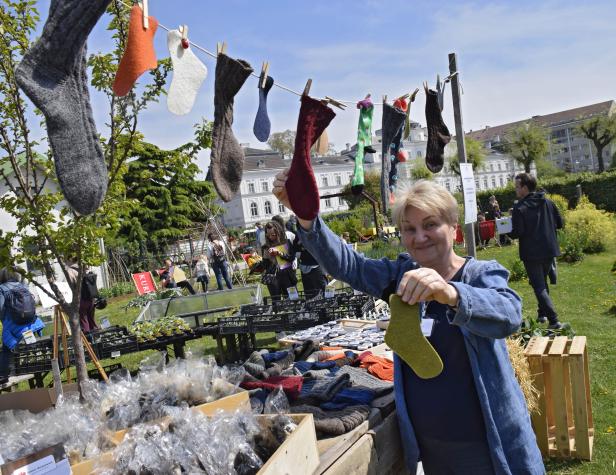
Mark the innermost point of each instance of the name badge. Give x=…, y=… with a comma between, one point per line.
x=426, y=326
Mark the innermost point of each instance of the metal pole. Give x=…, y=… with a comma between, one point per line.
x=469, y=231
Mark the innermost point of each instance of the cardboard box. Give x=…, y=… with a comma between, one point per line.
x=298, y=454
x=33, y=400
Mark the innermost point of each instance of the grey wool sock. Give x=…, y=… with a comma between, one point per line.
x=227, y=157
x=438, y=133
x=262, y=126
x=322, y=389
x=53, y=75
x=361, y=378
x=255, y=365
x=328, y=423
x=393, y=121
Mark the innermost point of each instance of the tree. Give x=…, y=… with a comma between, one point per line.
x=601, y=131
x=162, y=185
x=420, y=171
x=527, y=143
x=547, y=169
x=283, y=142
x=372, y=186
x=475, y=154
x=48, y=230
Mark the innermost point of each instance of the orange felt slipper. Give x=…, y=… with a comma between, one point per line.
x=139, y=55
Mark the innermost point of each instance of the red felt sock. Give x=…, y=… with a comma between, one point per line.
x=302, y=189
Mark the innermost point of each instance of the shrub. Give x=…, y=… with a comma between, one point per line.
x=380, y=249
x=517, y=271
x=120, y=288
x=571, y=245
x=561, y=203
x=594, y=228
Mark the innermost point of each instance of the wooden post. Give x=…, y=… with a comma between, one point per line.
x=469, y=231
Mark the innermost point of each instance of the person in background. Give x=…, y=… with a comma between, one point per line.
x=314, y=280
x=535, y=220
x=480, y=219
x=218, y=261
x=285, y=227
x=279, y=255
x=89, y=294
x=202, y=271
x=345, y=237
x=259, y=236
x=493, y=212
x=14, y=326
x=253, y=258
x=472, y=418
x=169, y=280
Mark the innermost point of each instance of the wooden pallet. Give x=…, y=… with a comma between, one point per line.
x=563, y=422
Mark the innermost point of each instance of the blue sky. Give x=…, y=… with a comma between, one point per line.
x=517, y=58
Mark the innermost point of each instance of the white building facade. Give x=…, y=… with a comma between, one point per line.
x=255, y=201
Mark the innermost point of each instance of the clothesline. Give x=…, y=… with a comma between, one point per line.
x=275, y=83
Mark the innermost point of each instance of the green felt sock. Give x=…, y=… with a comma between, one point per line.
x=404, y=337
x=364, y=138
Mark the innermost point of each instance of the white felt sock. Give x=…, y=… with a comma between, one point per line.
x=188, y=74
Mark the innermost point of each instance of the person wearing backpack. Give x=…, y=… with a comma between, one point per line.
x=17, y=312
x=218, y=260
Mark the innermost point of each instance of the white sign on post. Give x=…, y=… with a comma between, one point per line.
x=47, y=301
x=470, y=196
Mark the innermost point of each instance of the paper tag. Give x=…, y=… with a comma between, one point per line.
x=115, y=354
x=105, y=323
x=426, y=326
x=29, y=337
x=330, y=293
x=293, y=294
x=356, y=292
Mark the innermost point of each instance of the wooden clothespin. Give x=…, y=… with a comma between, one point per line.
x=403, y=97
x=184, y=33
x=144, y=8
x=425, y=86
x=264, y=73
x=221, y=48
x=335, y=103
x=385, y=99
x=413, y=95
x=307, y=87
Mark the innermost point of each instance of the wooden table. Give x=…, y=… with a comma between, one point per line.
x=11, y=384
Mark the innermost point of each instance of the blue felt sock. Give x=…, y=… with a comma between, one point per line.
x=262, y=124
x=349, y=397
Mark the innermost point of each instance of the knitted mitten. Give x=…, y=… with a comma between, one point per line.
x=52, y=73
x=438, y=134
x=227, y=157
x=301, y=184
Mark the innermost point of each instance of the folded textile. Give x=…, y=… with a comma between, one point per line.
x=322, y=389
x=350, y=397
x=380, y=367
x=323, y=355
x=274, y=356
x=320, y=373
x=361, y=378
x=304, y=350
x=334, y=422
x=291, y=385
x=304, y=366
x=347, y=358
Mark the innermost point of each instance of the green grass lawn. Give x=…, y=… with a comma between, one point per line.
x=583, y=297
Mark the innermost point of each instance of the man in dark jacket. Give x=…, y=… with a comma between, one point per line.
x=535, y=221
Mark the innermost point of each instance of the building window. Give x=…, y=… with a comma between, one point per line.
x=448, y=185
x=324, y=180
x=418, y=153
x=485, y=183
x=251, y=187
x=264, y=186
x=476, y=183
x=268, y=208
x=491, y=167
x=328, y=203
x=254, y=210
x=502, y=182
x=340, y=201
x=499, y=166
x=338, y=180
x=493, y=182
x=350, y=176
x=281, y=208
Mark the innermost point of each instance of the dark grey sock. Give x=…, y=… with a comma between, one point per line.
x=393, y=121
x=438, y=133
x=52, y=74
x=227, y=157
x=334, y=422
x=262, y=126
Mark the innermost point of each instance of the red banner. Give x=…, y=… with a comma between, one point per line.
x=144, y=283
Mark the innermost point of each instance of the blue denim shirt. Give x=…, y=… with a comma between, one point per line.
x=488, y=311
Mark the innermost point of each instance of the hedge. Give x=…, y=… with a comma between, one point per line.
x=599, y=188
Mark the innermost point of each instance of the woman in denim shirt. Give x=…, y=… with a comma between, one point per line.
x=472, y=418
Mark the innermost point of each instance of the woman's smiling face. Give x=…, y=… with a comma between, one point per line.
x=427, y=237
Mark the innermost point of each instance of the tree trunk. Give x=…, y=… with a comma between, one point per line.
x=72, y=311
x=527, y=167
x=600, y=158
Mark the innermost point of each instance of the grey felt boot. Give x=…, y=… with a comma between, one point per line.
x=53, y=75
x=227, y=158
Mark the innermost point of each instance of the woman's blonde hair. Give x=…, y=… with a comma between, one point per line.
x=426, y=196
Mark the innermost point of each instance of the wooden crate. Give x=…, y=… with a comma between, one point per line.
x=563, y=421
x=298, y=454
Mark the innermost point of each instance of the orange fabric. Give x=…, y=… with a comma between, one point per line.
x=331, y=348
x=336, y=357
x=378, y=366
x=139, y=55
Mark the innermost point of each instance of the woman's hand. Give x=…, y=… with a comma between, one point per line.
x=421, y=285
x=280, y=188
x=273, y=251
